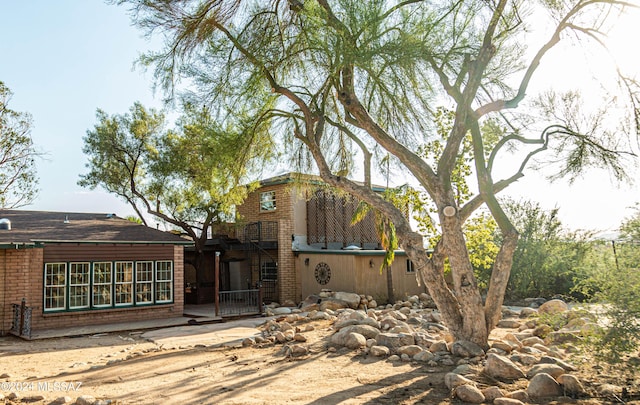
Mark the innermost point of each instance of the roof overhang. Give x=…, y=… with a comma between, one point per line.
x=20, y=245
x=114, y=242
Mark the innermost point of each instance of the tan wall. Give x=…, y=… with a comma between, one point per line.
x=357, y=273
x=342, y=273
x=371, y=282
x=299, y=212
x=22, y=276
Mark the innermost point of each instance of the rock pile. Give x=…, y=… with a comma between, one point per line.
x=334, y=301
x=410, y=331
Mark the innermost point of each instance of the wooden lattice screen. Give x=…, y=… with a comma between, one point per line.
x=329, y=221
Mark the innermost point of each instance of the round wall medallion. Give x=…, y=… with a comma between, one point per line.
x=323, y=273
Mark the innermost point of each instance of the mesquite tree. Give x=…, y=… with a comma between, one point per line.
x=190, y=176
x=354, y=80
x=18, y=180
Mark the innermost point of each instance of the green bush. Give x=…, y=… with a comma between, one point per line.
x=548, y=261
x=619, y=294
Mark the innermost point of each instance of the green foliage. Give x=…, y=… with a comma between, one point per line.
x=385, y=229
x=548, y=261
x=353, y=79
x=630, y=228
x=134, y=219
x=479, y=232
x=619, y=295
x=190, y=176
x=18, y=182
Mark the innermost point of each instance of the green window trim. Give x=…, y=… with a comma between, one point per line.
x=98, y=285
x=102, y=286
x=55, y=283
x=79, y=282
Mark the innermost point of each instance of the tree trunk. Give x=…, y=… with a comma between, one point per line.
x=465, y=287
x=499, y=279
x=461, y=304
x=390, y=290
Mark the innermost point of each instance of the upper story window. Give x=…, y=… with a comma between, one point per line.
x=267, y=201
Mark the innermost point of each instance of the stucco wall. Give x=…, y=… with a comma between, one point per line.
x=359, y=273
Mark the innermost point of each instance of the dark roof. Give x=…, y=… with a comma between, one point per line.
x=293, y=177
x=45, y=226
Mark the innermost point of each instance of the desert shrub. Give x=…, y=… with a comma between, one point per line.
x=619, y=294
x=548, y=261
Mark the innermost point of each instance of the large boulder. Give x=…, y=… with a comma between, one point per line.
x=367, y=331
x=543, y=385
x=502, y=368
x=355, y=341
x=333, y=304
x=394, y=341
x=552, y=369
x=410, y=350
x=453, y=380
x=379, y=351
x=559, y=362
x=491, y=393
x=352, y=299
x=470, y=394
x=571, y=384
x=424, y=356
x=311, y=303
x=553, y=307
x=466, y=349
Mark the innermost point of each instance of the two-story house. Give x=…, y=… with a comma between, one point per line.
x=298, y=240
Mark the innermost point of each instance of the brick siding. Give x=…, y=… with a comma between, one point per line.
x=21, y=276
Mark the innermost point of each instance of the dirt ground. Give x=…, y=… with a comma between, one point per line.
x=128, y=369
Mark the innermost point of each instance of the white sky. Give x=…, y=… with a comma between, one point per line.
x=64, y=59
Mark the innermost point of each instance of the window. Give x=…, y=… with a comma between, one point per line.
x=269, y=271
x=85, y=285
x=55, y=286
x=164, y=281
x=268, y=201
x=78, y=285
x=144, y=282
x=124, y=283
x=102, y=279
x=410, y=268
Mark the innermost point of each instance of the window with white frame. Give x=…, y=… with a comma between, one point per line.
x=102, y=284
x=72, y=286
x=79, y=282
x=144, y=282
x=268, y=201
x=164, y=281
x=124, y=283
x=55, y=286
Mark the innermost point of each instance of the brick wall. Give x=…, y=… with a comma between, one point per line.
x=250, y=209
x=21, y=275
x=17, y=267
x=288, y=280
